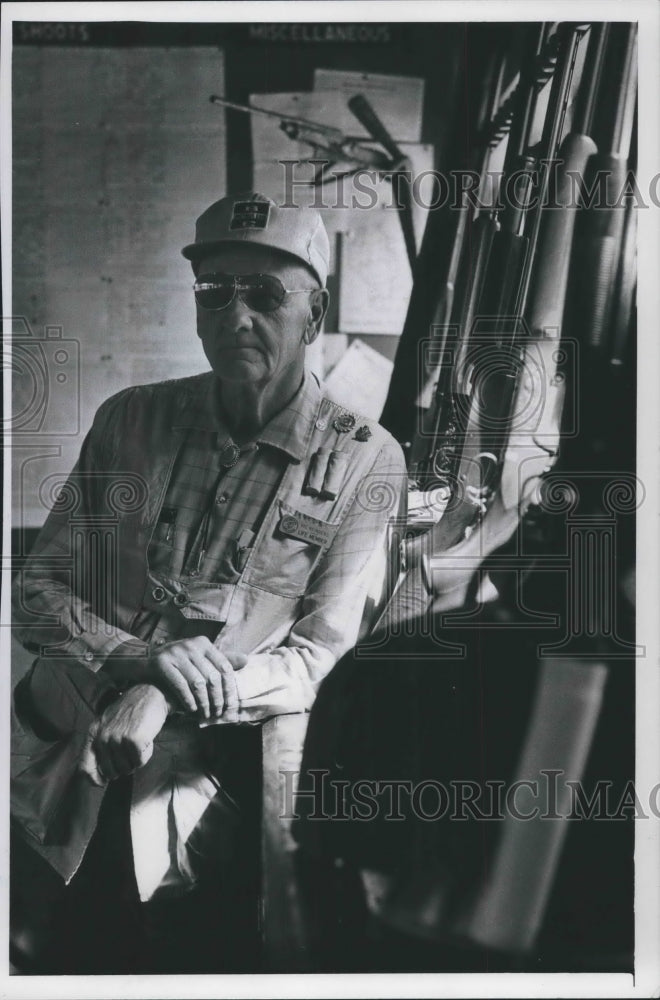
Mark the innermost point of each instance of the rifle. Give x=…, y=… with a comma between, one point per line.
x=548, y=293
x=475, y=418
x=324, y=139
x=472, y=431
x=460, y=260
x=436, y=463
x=624, y=289
x=599, y=235
x=599, y=310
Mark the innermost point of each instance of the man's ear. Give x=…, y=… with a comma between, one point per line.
x=318, y=307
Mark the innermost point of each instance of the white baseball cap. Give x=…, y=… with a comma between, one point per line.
x=253, y=218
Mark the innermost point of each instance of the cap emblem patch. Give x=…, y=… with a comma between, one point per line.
x=250, y=215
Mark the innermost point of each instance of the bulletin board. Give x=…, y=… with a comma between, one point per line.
x=116, y=152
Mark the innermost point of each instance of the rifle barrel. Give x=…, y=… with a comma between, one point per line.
x=326, y=130
x=549, y=283
x=593, y=65
x=569, y=40
x=599, y=235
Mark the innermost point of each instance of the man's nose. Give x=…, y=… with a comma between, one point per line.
x=236, y=316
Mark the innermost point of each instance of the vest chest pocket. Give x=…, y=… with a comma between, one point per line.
x=287, y=553
x=164, y=530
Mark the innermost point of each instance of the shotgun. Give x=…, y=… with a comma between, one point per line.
x=600, y=230
x=467, y=450
x=476, y=455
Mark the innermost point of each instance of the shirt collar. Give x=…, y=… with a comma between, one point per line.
x=289, y=430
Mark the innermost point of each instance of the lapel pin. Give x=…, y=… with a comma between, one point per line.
x=344, y=423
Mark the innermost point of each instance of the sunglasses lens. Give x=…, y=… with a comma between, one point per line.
x=262, y=292
x=214, y=291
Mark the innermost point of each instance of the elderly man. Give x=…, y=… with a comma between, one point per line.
x=206, y=564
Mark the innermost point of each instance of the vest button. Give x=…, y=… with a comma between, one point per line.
x=321, y=424
x=221, y=498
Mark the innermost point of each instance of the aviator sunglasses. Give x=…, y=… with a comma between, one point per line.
x=263, y=293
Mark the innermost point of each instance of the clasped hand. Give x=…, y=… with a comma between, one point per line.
x=122, y=739
x=188, y=674
x=197, y=675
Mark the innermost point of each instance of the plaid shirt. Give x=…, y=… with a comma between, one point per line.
x=203, y=532
x=217, y=497
x=297, y=622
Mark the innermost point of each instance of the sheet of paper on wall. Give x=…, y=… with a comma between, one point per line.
x=325, y=352
x=397, y=100
x=270, y=146
x=376, y=280
x=282, y=163
x=360, y=380
x=373, y=298
x=335, y=346
x=348, y=209
x=138, y=152
x=315, y=355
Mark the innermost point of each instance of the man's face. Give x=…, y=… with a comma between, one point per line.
x=244, y=345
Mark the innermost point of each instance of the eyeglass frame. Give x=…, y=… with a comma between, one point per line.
x=200, y=285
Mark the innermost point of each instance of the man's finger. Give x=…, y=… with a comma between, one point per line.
x=213, y=678
x=119, y=756
x=127, y=755
x=131, y=755
x=88, y=763
x=226, y=669
x=104, y=760
x=217, y=658
x=146, y=753
x=178, y=686
x=231, y=696
x=196, y=680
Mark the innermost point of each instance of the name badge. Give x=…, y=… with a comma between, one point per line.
x=306, y=528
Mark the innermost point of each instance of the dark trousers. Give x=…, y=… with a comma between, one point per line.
x=97, y=924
